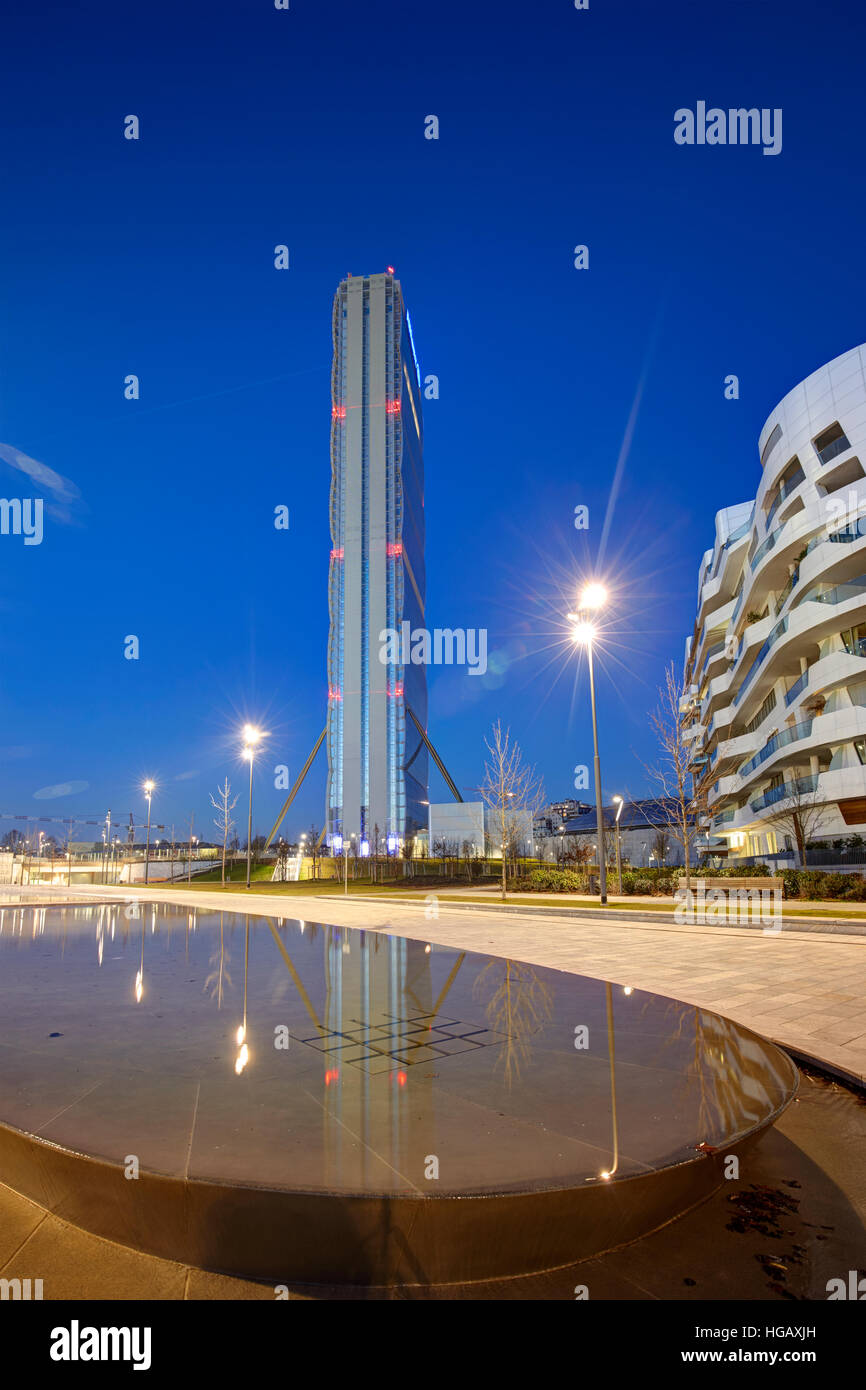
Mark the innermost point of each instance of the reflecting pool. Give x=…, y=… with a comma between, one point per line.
x=259, y=1052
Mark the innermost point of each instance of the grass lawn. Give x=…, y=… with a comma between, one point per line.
x=262, y=883
x=794, y=907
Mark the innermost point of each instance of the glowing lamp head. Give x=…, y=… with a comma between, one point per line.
x=593, y=596
x=248, y=753
x=148, y=788
x=583, y=633
x=251, y=734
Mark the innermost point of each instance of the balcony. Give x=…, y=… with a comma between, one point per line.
x=797, y=688
x=801, y=786
x=783, y=596
x=715, y=650
x=841, y=593
x=831, y=444
x=778, y=630
x=785, y=489
x=766, y=546
x=779, y=740
x=713, y=575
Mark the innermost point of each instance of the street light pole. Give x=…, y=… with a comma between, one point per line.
x=251, y=736
x=148, y=791
x=249, y=753
x=599, y=810
x=594, y=596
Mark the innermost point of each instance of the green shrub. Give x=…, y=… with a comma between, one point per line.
x=814, y=884
x=552, y=880
x=745, y=871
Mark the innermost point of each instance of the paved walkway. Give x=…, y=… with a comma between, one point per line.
x=807, y=992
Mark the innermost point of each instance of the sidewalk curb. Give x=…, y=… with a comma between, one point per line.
x=826, y=926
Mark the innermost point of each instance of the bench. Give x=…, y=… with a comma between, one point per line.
x=767, y=884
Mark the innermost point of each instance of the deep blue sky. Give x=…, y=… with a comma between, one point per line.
x=260, y=127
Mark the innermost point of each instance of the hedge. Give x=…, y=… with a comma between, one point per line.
x=806, y=884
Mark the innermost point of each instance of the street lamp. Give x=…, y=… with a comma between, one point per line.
x=251, y=738
x=618, y=802
x=592, y=598
x=148, y=791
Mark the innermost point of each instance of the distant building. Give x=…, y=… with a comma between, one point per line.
x=551, y=819
x=461, y=824
x=455, y=824
x=642, y=827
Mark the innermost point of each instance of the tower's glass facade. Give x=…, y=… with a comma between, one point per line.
x=377, y=762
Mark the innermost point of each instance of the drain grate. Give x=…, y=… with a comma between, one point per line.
x=376, y=1045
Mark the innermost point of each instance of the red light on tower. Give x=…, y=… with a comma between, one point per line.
x=390, y=269
x=393, y=549
x=393, y=408
x=338, y=412
x=337, y=554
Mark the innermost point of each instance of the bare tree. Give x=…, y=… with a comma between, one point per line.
x=798, y=812
x=224, y=803
x=510, y=790
x=314, y=847
x=661, y=844
x=674, y=811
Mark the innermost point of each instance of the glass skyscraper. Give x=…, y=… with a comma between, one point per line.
x=377, y=761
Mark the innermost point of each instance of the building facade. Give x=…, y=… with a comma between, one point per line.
x=473, y=828
x=377, y=762
x=775, y=709
x=646, y=838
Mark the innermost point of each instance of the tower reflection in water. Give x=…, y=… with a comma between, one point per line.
x=395, y=1054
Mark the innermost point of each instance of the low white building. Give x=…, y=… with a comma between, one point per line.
x=471, y=827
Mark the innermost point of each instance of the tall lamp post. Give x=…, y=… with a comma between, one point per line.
x=593, y=597
x=148, y=791
x=618, y=802
x=251, y=737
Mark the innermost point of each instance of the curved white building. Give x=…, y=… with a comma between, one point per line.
x=776, y=665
